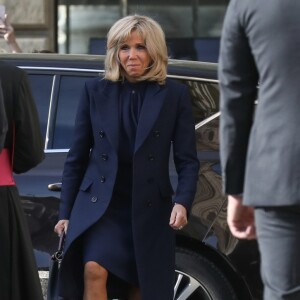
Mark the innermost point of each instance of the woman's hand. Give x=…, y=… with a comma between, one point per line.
x=178, y=217
x=62, y=225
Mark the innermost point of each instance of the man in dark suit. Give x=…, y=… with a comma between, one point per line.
x=260, y=145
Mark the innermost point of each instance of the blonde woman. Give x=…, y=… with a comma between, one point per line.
x=116, y=202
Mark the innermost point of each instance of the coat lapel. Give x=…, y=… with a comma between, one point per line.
x=154, y=99
x=107, y=101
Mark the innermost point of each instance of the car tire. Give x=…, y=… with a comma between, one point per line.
x=198, y=278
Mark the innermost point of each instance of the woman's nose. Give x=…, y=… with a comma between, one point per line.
x=132, y=53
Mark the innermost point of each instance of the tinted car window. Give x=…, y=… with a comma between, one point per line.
x=41, y=86
x=205, y=105
x=205, y=99
x=70, y=90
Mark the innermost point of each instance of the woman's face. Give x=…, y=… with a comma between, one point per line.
x=134, y=57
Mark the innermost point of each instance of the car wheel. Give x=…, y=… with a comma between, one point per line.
x=197, y=278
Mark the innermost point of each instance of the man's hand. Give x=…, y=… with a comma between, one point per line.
x=240, y=218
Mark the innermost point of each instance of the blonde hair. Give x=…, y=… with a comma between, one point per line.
x=154, y=38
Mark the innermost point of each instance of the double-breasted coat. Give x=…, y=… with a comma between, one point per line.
x=91, y=168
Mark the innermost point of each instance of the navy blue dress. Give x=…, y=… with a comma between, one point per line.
x=110, y=242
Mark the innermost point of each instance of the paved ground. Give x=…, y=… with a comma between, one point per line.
x=44, y=275
x=44, y=282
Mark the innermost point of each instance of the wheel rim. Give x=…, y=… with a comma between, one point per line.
x=188, y=288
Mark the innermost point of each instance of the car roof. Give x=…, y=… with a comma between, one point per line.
x=86, y=61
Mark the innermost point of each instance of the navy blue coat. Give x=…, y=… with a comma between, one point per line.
x=91, y=168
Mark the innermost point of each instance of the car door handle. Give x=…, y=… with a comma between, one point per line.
x=55, y=187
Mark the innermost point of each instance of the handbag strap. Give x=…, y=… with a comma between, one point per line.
x=61, y=241
x=58, y=255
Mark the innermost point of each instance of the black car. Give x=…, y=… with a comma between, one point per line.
x=210, y=262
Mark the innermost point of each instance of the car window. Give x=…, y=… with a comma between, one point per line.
x=41, y=86
x=70, y=90
x=205, y=101
x=205, y=105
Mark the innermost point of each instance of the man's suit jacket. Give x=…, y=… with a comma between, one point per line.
x=91, y=168
x=260, y=147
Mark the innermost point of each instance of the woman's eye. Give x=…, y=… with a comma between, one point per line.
x=141, y=47
x=124, y=47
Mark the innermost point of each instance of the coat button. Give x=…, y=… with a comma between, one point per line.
x=149, y=203
x=151, y=157
x=101, y=134
x=104, y=156
x=94, y=199
x=156, y=133
x=102, y=179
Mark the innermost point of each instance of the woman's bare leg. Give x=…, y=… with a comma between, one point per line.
x=95, y=278
x=135, y=294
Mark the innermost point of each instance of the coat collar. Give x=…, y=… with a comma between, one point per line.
x=108, y=110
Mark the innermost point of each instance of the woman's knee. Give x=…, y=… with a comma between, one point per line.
x=94, y=272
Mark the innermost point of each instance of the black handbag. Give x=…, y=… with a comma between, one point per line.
x=56, y=258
